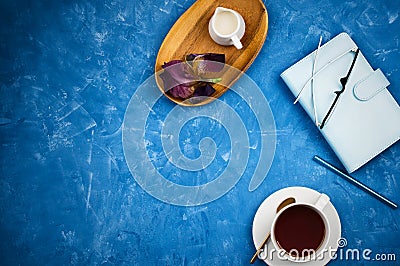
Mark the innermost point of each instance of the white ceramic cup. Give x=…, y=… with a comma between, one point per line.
x=321, y=251
x=227, y=27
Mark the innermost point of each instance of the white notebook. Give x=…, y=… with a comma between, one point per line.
x=366, y=118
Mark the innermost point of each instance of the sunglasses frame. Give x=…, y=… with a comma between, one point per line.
x=314, y=75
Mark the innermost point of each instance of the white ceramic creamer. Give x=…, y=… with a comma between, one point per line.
x=227, y=27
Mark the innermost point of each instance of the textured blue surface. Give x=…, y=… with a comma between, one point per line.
x=67, y=72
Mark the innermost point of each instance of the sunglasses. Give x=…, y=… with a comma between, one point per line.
x=343, y=82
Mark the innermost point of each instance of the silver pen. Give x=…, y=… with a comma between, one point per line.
x=354, y=181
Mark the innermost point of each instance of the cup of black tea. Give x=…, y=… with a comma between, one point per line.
x=300, y=231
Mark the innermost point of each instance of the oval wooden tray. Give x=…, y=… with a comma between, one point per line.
x=190, y=35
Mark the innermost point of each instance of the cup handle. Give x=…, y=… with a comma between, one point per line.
x=236, y=42
x=322, y=201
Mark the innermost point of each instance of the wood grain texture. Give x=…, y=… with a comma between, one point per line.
x=190, y=34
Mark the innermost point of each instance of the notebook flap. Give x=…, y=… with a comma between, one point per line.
x=369, y=87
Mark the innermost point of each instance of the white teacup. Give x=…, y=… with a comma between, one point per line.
x=227, y=27
x=300, y=231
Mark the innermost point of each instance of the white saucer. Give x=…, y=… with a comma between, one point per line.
x=266, y=212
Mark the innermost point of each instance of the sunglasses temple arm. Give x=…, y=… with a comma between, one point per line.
x=330, y=111
x=313, y=82
x=320, y=70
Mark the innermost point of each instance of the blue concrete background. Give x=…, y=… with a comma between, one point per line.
x=67, y=72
